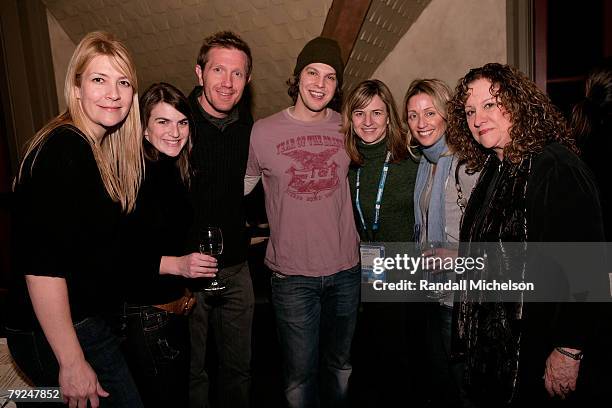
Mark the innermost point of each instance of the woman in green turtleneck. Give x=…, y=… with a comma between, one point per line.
x=373, y=131
x=375, y=140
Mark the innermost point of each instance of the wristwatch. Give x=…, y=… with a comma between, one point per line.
x=575, y=356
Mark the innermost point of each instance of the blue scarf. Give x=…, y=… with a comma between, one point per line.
x=434, y=154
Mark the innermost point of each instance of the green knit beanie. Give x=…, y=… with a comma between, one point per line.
x=322, y=50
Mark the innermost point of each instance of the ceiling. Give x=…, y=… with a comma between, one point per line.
x=164, y=36
x=385, y=24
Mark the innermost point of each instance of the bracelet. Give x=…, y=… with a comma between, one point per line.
x=574, y=356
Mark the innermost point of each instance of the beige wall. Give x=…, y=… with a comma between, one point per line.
x=449, y=37
x=62, y=48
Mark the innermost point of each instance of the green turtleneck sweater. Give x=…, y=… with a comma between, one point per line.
x=397, y=206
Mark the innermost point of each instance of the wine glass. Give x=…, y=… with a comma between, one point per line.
x=211, y=243
x=433, y=271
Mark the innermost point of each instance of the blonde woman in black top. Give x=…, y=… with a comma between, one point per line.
x=80, y=172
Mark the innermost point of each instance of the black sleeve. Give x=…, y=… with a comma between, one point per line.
x=141, y=251
x=563, y=204
x=63, y=208
x=563, y=207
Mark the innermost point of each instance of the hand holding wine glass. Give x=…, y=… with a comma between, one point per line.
x=435, y=256
x=211, y=243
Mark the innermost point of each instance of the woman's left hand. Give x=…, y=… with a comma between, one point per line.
x=194, y=265
x=561, y=374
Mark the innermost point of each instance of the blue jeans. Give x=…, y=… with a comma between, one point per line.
x=34, y=356
x=230, y=315
x=156, y=348
x=315, y=319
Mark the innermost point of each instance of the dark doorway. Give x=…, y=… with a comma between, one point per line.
x=576, y=39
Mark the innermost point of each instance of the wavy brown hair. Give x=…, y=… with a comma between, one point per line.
x=359, y=98
x=162, y=92
x=535, y=121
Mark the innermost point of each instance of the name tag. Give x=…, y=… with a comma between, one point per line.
x=368, y=253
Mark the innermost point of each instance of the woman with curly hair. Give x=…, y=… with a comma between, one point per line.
x=532, y=188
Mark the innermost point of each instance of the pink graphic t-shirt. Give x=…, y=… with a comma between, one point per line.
x=308, y=202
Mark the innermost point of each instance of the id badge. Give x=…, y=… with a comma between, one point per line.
x=371, y=262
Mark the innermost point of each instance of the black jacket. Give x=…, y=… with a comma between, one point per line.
x=219, y=159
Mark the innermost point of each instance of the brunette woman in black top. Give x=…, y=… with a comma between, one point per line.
x=157, y=341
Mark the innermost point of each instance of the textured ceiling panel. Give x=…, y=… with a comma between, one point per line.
x=386, y=22
x=164, y=36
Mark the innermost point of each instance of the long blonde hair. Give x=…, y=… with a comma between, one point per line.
x=119, y=153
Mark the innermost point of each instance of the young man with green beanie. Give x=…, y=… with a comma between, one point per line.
x=313, y=247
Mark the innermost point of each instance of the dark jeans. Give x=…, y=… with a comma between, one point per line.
x=388, y=354
x=315, y=318
x=443, y=380
x=230, y=316
x=34, y=356
x=156, y=348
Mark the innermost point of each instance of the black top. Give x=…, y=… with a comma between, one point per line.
x=219, y=160
x=595, y=153
x=397, y=207
x=64, y=225
x=562, y=199
x=563, y=206
x=560, y=205
x=158, y=226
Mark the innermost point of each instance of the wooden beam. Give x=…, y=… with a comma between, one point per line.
x=343, y=23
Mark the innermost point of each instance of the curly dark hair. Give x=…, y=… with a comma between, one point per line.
x=294, y=89
x=535, y=120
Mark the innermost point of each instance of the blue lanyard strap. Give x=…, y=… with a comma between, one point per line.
x=379, y=195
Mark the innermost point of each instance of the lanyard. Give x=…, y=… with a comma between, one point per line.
x=379, y=194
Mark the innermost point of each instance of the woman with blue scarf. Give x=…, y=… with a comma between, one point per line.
x=440, y=194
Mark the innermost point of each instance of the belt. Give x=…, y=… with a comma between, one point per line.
x=181, y=306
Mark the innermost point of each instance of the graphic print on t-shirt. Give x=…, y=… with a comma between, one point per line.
x=314, y=175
